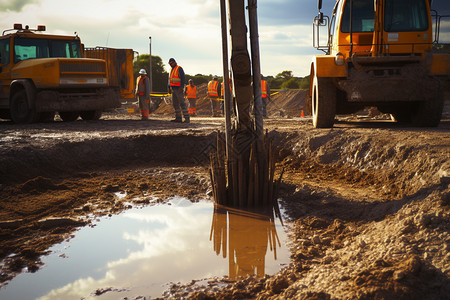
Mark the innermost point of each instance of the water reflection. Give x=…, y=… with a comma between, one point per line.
x=137, y=253
x=246, y=236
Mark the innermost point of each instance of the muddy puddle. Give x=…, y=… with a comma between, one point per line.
x=142, y=251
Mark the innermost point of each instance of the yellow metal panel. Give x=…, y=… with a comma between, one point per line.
x=44, y=72
x=325, y=66
x=441, y=64
x=119, y=64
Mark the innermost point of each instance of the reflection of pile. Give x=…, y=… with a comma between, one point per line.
x=247, y=235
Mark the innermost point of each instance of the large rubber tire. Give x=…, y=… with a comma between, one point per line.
x=69, y=116
x=5, y=114
x=323, y=102
x=429, y=113
x=402, y=115
x=20, y=111
x=91, y=115
x=422, y=114
x=47, y=116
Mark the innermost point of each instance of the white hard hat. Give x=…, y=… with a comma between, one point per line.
x=142, y=71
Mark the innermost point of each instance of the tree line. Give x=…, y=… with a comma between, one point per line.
x=283, y=80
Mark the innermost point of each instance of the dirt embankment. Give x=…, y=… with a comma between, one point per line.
x=284, y=104
x=367, y=201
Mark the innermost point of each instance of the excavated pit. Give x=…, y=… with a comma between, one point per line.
x=366, y=203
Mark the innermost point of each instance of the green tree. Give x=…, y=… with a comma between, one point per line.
x=291, y=83
x=159, y=74
x=286, y=75
x=198, y=78
x=304, y=83
x=274, y=83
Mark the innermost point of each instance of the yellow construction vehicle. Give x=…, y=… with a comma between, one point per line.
x=119, y=64
x=378, y=53
x=41, y=74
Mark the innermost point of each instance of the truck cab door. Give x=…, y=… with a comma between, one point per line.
x=407, y=27
x=5, y=71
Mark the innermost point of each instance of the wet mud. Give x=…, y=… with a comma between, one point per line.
x=367, y=202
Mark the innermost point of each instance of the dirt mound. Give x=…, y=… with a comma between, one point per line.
x=203, y=103
x=286, y=104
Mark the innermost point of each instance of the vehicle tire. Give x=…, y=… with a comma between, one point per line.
x=429, y=113
x=69, y=116
x=20, y=111
x=47, y=116
x=91, y=115
x=402, y=115
x=4, y=114
x=323, y=102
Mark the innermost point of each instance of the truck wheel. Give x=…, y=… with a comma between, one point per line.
x=69, y=116
x=5, y=114
x=429, y=113
x=47, y=116
x=323, y=102
x=20, y=110
x=402, y=115
x=91, y=115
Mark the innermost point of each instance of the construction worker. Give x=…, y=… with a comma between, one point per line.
x=142, y=93
x=222, y=91
x=176, y=87
x=265, y=95
x=214, y=96
x=191, y=95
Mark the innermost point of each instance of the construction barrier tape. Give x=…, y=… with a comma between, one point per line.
x=160, y=95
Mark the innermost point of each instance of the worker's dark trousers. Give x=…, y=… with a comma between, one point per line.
x=178, y=103
x=144, y=105
x=215, y=107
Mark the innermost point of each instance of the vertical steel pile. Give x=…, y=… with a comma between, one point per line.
x=244, y=183
x=243, y=168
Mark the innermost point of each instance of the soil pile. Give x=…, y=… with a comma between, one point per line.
x=285, y=104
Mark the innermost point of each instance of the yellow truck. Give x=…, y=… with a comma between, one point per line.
x=41, y=74
x=378, y=53
x=119, y=64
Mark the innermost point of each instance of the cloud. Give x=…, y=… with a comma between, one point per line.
x=14, y=5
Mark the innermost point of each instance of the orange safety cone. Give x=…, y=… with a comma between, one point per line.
x=302, y=114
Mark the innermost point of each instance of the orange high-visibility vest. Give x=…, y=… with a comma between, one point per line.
x=223, y=94
x=191, y=91
x=138, y=81
x=263, y=88
x=212, y=88
x=174, y=78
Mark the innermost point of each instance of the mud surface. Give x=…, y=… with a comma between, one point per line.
x=367, y=201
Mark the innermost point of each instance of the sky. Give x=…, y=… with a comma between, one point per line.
x=188, y=30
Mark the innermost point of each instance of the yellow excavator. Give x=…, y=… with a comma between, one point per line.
x=378, y=53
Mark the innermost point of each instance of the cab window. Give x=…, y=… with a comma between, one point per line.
x=4, y=51
x=363, y=15
x=26, y=48
x=405, y=15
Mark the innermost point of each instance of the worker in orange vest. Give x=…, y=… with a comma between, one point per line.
x=223, y=93
x=214, y=96
x=142, y=93
x=191, y=95
x=265, y=95
x=176, y=87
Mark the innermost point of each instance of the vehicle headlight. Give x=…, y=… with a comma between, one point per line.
x=339, y=60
